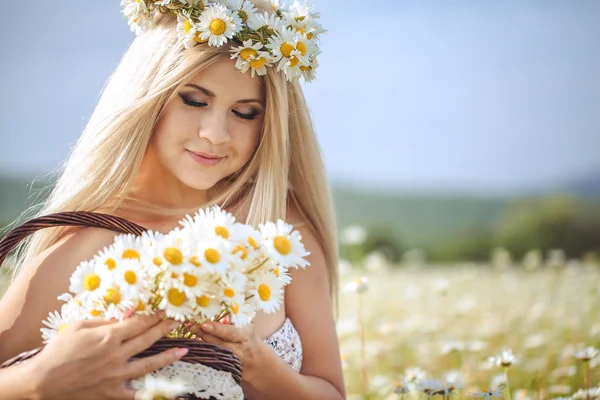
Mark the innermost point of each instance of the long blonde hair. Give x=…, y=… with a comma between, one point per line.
x=286, y=168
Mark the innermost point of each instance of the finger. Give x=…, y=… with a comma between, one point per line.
x=92, y=323
x=208, y=338
x=229, y=333
x=142, y=366
x=132, y=327
x=141, y=342
x=226, y=320
x=124, y=394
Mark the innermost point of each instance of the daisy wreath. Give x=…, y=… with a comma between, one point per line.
x=287, y=38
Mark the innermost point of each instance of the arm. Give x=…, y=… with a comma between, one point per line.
x=34, y=293
x=309, y=306
x=16, y=383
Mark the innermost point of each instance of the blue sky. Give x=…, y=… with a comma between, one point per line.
x=478, y=96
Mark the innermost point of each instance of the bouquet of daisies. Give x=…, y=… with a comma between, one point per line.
x=210, y=267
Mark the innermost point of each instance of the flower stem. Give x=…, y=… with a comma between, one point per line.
x=508, y=395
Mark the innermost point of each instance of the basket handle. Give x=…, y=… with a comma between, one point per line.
x=71, y=218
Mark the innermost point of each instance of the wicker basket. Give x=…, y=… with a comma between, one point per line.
x=208, y=354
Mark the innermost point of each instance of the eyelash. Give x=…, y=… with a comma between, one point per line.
x=248, y=117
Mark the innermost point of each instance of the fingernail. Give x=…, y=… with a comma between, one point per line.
x=207, y=327
x=181, y=352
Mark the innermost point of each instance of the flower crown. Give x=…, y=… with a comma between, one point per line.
x=287, y=37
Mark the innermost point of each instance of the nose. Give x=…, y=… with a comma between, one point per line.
x=214, y=128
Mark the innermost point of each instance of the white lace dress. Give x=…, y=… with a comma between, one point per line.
x=209, y=382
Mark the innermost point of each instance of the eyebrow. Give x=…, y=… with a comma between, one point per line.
x=211, y=94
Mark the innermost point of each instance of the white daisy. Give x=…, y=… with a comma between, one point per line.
x=505, y=359
x=56, y=323
x=249, y=243
x=217, y=24
x=258, y=64
x=282, y=44
x=128, y=246
x=243, y=53
x=187, y=32
x=241, y=313
x=268, y=291
x=219, y=223
x=232, y=286
x=156, y=387
x=87, y=281
x=137, y=14
x=308, y=71
x=284, y=244
x=207, y=305
x=107, y=257
x=172, y=253
x=265, y=21
x=245, y=9
x=132, y=278
x=175, y=302
x=193, y=284
x=117, y=304
x=215, y=255
x=280, y=272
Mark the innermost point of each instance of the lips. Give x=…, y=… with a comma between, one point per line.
x=205, y=158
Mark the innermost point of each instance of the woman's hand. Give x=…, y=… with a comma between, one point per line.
x=91, y=359
x=243, y=341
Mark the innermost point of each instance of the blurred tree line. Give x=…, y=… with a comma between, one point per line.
x=559, y=222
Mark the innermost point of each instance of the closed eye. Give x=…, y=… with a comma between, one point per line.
x=192, y=103
x=245, y=116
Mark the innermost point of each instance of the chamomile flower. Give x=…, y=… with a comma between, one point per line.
x=192, y=284
x=488, y=393
x=241, y=313
x=56, y=323
x=173, y=254
x=187, y=32
x=266, y=22
x=136, y=12
x=257, y=65
x=215, y=255
x=117, y=304
x=308, y=71
x=128, y=246
x=220, y=223
x=87, y=281
x=280, y=272
x=207, y=305
x=154, y=387
x=284, y=244
x=244, y=52
x=217, y=24
x=282, y=46
x=586, y=354
x=505, y=359
x=107, y=257
x=132, y=278
x=248, y=243
x=175, y=302
x=245, y=9
x=232, y=286
x=268, y=291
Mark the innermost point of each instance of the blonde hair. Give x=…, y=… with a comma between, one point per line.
x=286, y=168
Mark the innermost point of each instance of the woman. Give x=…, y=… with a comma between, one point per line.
x=178, y=128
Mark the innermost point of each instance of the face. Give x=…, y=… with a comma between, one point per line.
x=211, y=128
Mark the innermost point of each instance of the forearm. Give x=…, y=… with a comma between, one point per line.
x=272, y=376
x=16, y=383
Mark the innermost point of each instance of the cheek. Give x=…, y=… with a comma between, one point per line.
x=247, y=141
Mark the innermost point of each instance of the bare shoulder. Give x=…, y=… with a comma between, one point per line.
x=34, y=292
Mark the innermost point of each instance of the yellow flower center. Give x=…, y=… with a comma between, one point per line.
x=176, y=297
x=203, y=301
x=294, y=61
x=243, y=15
x=62, y=328
x=217, y=26
x=187, y=26
x=252, y=242
x=257, y=63
x=276, y=272
x=309, y=35
x=131, y=253
x=286, y=49
x=157, y=261
x=264, y=291
x=212, y=256
x=235, y=308
x=112, y=296
x=194, y=261
x=300, y=30
x=246, y=54
x=301, y=47
x=198, y=39
x=95, y=313
x=189, y=280
x=229, y=292
x=110, y=263
x=91, y=282
x=282, y=245
x=130, y=277
x=304, y=67
x=174, y=275
x=222, y=231
x=242, y=250
x=141, y=306
x=173, y=255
